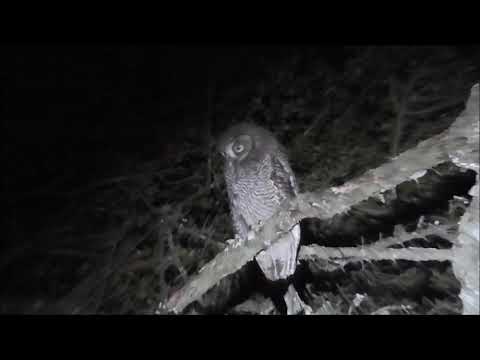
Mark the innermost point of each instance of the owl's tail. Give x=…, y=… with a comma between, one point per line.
x=279, y=261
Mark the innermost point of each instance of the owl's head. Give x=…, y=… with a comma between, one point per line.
x=246, y=141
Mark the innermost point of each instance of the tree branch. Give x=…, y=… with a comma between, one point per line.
x=467, y=256
x=434, y=108
x=369, y=253
x=335, y=258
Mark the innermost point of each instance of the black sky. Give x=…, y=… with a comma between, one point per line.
x=74, y=99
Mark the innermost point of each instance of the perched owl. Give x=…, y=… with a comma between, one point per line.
x=259, y=179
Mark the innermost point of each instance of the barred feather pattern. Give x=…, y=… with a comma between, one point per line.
x=256, y=190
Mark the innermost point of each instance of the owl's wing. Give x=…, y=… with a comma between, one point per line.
x=279, y=261
x=283, y=176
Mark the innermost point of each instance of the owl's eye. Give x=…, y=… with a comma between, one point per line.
x=238, y=148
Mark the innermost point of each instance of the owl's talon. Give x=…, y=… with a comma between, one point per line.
x=236, y=242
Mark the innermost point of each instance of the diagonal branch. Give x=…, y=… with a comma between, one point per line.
x=434, y=108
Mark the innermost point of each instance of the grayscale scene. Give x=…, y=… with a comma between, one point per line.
x=236, y=179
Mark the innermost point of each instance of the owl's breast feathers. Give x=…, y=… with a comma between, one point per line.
x=258, y=189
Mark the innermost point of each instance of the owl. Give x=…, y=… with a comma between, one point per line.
x=259, y=180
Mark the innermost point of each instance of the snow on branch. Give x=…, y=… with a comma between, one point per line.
x=459, y=143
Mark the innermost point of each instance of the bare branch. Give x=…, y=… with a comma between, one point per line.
x=400, y=104
x=433, y=108
x=369, y=253
x=176, y=258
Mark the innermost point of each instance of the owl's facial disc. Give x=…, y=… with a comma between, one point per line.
x=239, y=148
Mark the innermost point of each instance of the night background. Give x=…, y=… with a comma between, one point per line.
x=113, y=191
